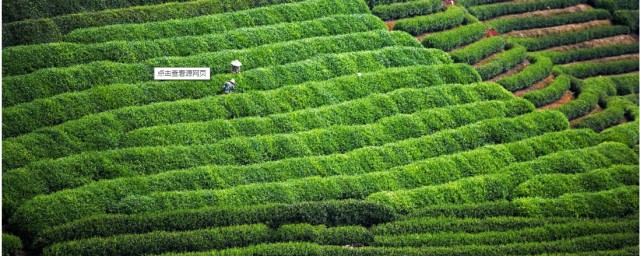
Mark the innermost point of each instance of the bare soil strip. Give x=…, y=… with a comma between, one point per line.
x=487, y=59
x=546, y=13
x=511, y=71
x=596, y=110
x=540, y=32
x=633, y=56
x=621, y=39
x=390, y=24
x=539, y=85
x=566, y=98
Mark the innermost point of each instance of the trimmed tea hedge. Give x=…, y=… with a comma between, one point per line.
x=359, y=186
x=450, y=39
x=199, y=155
x=104, y=131
x=546, y=233
x=590, y=243
x=539, y=70
x=521, y=23
x=551, y=93
x=479, y=50
x=269, y=15
x=625, y=133
x=502, y=62
x=406, y=9
x=628, y=18
x=383, y=107
x=541, y=43
x=11, y=245
x=613, y=5
x=626, y=84
x=451, y=17
x=49, y=82
x=95, y=198
x=210, y=239
x=589, y=53
x=26, y=59
x=555, y=185
x=264, y=103
x=329, y=213
x=463, y=225
x=614, y=112
x=485, y=12
x=618, y=202
x=589, y=94
x=469, y=3
x=590, y=69
x=16, y=10
x=500, y=184
x=27, y=117
x=56, y=27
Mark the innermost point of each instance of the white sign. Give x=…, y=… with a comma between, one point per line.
x=182, y=74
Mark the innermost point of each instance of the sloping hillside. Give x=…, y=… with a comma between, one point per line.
x=356, y=127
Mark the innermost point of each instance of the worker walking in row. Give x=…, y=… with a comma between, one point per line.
x=229, y=86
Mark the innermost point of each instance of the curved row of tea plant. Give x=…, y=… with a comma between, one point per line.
x=103, y=131
x=451, y=17
x=477, y=51
x=521, y=23
x=592, y=69
x=539, y=69
x=406, y=9
x=451, y=39
x=551, y=92
x=541, y=43
x=50, y=82
x=502, y=62
x=485, y=12
x=26, y=59
x=64, y=107
x=589, y=53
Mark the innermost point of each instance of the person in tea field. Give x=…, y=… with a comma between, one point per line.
x=229, y=86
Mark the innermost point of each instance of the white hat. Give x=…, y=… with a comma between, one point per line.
x=233, y=80
x=236, y=63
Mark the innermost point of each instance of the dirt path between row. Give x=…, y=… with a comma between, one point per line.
x=595, y=110
x=487, y=59
x=540, y=32
x=634, y=56
x=390, y=24
x=538, y=86
x=566, y=98
x=511, y=71
x=621, y=39
x=546, y=13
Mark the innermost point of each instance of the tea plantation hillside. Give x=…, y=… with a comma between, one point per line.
x=377, y=127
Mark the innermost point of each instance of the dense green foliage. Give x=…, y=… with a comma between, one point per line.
x=587, y=244
x=502, y=62
x=406, y=9
x=450, y=39
x=329, y=213
x=469, y=3
x=210, y=239
x=27, y=117
x=541, y=43
x=479, y=50
x=520, y=23
x=589, y=53
x=495, y=184
x=551, y=92
x=591, y=69
x=451, y=17
x=11, y=245
x=555, y=185
x=97, y=197
x=616, y=109
x=544, y=233
x=26, y=59
x=16, y=10
x=625, y=133
x=485, y=12
x=82, y=134
x=588, y=95
x=613, y=5
x=54, y=28
x=49, y=82
x=539, y=69
x=628, y=18
x=269, y=15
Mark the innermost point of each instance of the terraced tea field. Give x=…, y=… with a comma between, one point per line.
x=377, y=127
